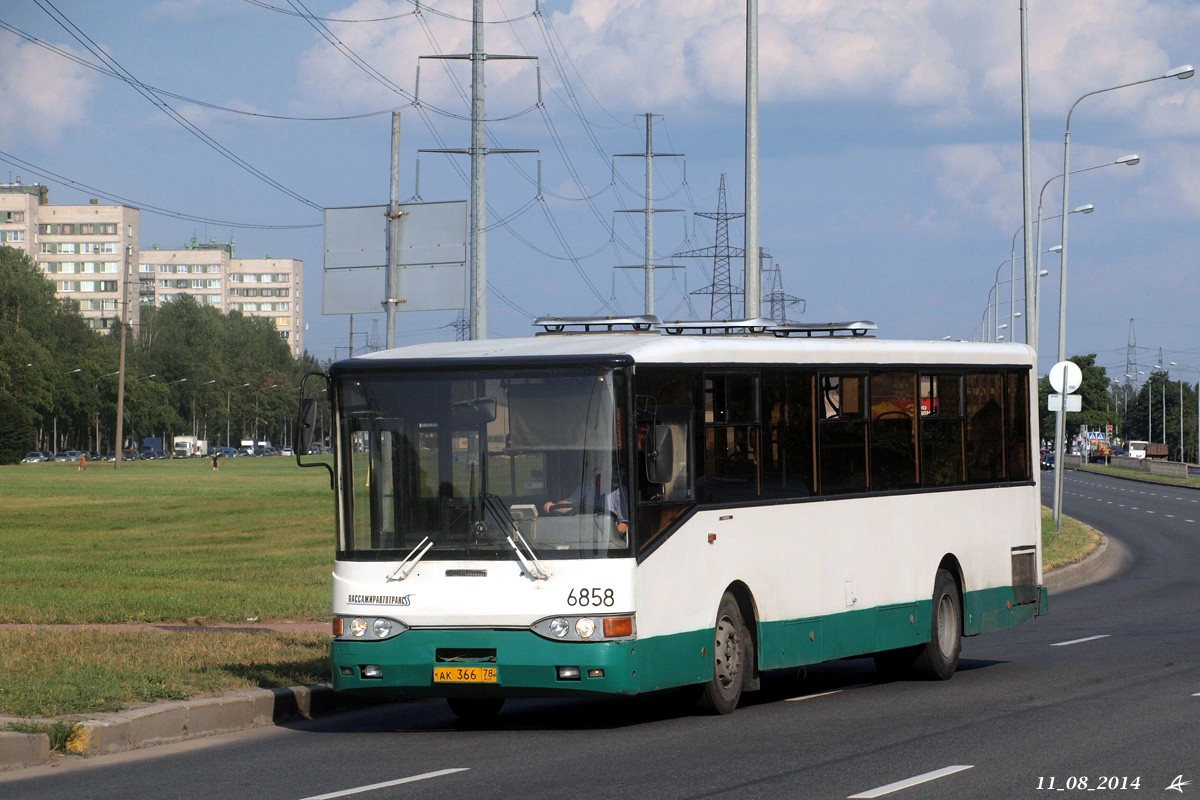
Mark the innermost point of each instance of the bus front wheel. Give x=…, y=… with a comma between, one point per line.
x=733, y=654
x=939, y=658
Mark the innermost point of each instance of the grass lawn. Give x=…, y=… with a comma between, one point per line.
x=170, y=542
x=165, y=540
x=159, y=541
x=1067, y=546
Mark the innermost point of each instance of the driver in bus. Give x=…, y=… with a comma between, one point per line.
x=601, y=501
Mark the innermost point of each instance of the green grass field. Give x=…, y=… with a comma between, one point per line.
x=159, y=541
x=172, y=542
x=165, y=540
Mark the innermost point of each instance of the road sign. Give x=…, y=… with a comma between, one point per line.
x=1074, y=402
x=1066, y=377
x=432, y=257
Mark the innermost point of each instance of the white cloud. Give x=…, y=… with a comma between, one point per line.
x=43, y=94
x=979, y=178
x=948, y=59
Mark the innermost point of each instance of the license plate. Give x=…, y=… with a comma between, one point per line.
x=464, y=675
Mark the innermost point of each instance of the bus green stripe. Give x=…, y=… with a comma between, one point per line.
x=527, y=663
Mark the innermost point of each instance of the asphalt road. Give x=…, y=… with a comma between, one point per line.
x=1102, y=695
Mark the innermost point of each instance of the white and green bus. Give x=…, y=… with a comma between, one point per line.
x=622, y=506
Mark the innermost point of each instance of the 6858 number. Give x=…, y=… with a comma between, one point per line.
x=592, y=597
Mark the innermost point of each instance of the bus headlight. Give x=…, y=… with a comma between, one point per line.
x=349, y=628
x=586, y=629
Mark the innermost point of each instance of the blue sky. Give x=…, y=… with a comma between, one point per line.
x=890, y=147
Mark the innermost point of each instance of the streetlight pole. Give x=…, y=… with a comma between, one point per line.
x=1032, y=328
x=227, y=393
x=1197, y=371
x=1060, y=425
x=257, y=393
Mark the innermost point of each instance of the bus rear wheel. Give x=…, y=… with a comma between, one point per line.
x=475, y=710
x=939, y=658
x=733, y=654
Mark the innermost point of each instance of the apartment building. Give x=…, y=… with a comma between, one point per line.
x=212, y=274
x=88, y=250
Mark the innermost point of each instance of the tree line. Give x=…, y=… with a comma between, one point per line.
x=1150, y=412
x=189, y=369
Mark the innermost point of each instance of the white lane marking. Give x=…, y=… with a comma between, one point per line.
x=811, y=696
x=1081, y=641
x=914, y=781
x=385, y=784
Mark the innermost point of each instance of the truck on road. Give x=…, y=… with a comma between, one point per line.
x=190, y=447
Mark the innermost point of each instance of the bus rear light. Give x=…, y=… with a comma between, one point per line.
x=568, y=673
x=618, y=627
x=339, y=626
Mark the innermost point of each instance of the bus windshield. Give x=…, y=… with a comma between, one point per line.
x=469, y=462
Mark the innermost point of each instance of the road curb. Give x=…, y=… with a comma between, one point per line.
x=19, y=750
x=1102, y=563
x=165, y=723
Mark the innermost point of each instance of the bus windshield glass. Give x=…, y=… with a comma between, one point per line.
x=476, y=464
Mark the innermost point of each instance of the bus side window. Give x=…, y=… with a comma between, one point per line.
x=842, y=434
x=1020, y=466
x=941, y=430
x=731, y=438
x=893, y=430
x=787, y=459
x=985, y=427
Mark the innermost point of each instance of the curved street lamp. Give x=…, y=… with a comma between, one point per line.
x=1182, y=73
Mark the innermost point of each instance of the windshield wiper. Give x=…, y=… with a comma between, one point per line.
x=411, y=560
x=529, y=561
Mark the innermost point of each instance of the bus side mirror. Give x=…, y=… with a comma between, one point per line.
x=660, y=455
x=305, y=425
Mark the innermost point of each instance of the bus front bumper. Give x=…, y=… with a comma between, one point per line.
x=524, y=664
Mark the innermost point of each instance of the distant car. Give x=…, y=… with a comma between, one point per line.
x=68, y=455
x=111, y=455
x=1048, y=459
x=287, y=451
x=36, y=457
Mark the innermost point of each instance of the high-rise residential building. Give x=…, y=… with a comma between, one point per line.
x=88, y=250
x=257, y=287
x=85, y=251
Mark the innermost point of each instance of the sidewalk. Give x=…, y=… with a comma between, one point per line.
x=164, y=723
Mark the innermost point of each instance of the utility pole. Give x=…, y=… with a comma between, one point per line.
x=478, y=151
x=778, y=299
x=120, y=436
x=752, y=296
x=649, y=210
x=393, y=291
x=721, y=288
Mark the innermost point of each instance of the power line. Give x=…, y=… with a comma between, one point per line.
x=45, y=173
x=91, y=46
x=192, y=100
